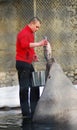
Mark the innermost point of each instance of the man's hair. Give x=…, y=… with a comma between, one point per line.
x=34, y=19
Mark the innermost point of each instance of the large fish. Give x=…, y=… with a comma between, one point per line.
x=47, y=51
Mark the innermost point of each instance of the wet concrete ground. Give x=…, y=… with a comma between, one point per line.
x=12, y=120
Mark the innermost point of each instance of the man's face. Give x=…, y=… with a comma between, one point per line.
x=36, y=26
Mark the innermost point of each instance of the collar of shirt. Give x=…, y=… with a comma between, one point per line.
x=28, y=28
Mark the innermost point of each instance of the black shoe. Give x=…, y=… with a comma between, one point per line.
x=26, y=120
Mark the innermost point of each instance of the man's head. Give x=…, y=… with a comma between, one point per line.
x=34, y=24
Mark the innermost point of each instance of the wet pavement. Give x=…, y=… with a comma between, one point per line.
x=12, y=120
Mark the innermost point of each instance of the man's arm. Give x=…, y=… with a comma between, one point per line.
x=41, y=43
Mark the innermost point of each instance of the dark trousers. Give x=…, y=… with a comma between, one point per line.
x=28, y=99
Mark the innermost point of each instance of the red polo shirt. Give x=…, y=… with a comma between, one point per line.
x=23, y=50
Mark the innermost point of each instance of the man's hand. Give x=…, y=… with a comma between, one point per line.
x=35, y=58
x=43, y=42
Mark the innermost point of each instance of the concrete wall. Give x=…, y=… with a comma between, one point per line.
x=14, y=14
x=59, y=20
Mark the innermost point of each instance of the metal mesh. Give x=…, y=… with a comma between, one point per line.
x=24, y=12
x=59, y=24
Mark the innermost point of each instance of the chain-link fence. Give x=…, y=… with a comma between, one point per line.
x=59, y=24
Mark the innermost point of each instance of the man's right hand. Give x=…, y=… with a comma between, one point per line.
x=44, y=42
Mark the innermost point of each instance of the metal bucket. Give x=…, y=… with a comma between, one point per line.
x=38, y=78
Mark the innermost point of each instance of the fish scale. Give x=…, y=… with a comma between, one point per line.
x=47, y=50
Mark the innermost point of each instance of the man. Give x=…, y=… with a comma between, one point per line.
x=25, y=55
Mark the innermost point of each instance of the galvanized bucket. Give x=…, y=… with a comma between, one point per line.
x=38, y=78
